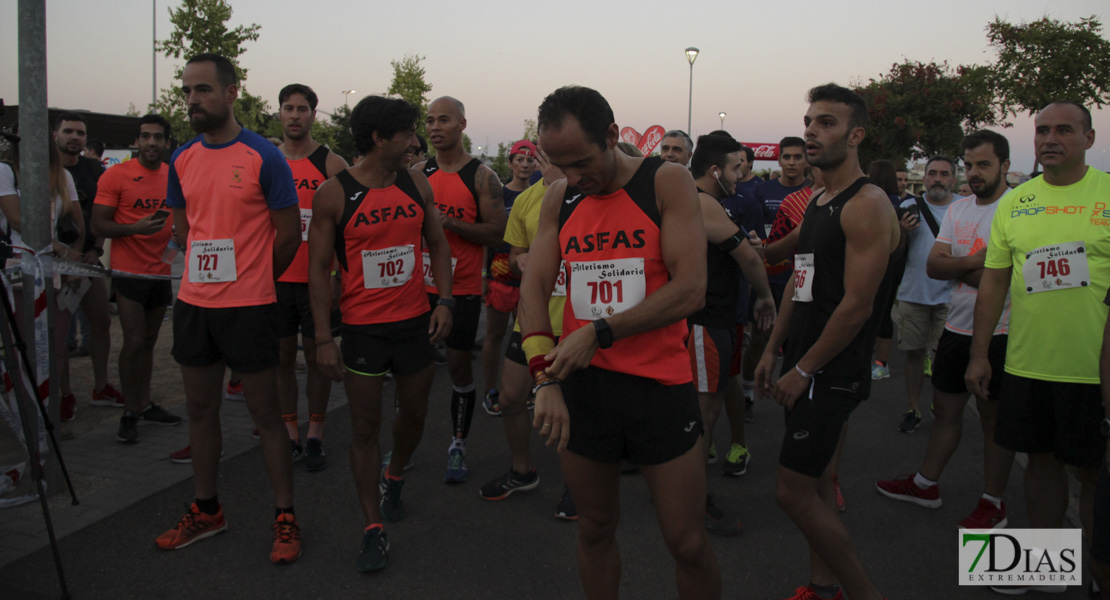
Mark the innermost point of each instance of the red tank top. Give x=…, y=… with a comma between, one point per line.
x=612, y=252
x=378, y=245
x=456, y=196
x=308, y=173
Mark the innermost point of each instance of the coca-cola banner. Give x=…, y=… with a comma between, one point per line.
x=764, y=151
x=651, y=139
x=630, y=135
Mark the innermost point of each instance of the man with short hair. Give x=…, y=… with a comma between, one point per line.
x=958, y=255
x=70, y=135
x=629, y=231
x=94, y=149
x=235, y=207
x=373, y=216
x=469, y=200
x=903, y=178
x=1050, y=247
x=130, y=207
x=676, y=147
x=748, y=180
x=828, y=321
x=922, y=305
x=311, y=163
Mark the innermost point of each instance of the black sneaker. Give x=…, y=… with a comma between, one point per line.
x=315, y=459
x=566, y=510
x=910, y=421
x=510, y=482
x=297, y=451
x=749, y=410
x=391, y=505
x=157, y=414
x=128, y=428
x=375, y=551
x=718, y=522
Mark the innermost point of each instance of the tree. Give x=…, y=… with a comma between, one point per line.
x=409, y=84
x=531, y=132
x=500, y=165
x=921, y=109
x=200, y=26
x=1048, y=60
x=344, y=140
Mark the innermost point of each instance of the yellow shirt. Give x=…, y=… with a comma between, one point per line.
x=524, y=220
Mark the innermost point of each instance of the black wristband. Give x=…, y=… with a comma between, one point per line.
x=448, y=302
x=604, y=333
x=731, y=243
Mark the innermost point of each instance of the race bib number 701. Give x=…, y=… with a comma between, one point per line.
x=603, y=288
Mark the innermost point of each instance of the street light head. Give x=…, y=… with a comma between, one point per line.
x=722, y=115
x=692, y=54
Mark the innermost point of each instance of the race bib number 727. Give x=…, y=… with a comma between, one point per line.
x=212, y=261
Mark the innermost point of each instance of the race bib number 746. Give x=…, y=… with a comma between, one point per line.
x=1056, y=267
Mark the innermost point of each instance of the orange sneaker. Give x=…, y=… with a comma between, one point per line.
x=109, y=396
x=193, y=527
x=287, y=539
x=807, y=593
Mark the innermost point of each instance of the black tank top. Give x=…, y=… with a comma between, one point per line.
x=822, y=235
x=722, y=290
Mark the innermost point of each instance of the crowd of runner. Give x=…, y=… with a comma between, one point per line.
x=646, y=294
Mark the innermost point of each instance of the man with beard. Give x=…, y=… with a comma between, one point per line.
x=958, y=255
x=311, y=164
x=235, y=209
x=922, y=301
x=828, y=322
x=131, y=208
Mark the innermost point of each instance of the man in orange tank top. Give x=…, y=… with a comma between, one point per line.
x=311, y=164
x=618, y=385
x=373, y=216
x=468, y=198
x=130, y=207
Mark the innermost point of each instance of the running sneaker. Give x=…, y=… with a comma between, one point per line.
x=391, y=504
x=565, y=509
x=375, y=550
x=255, y=434
x=839, y=495
x=297, y=451
x=492, y=403
x=1018, y=590
x=159, y=415
x=315, y=458
x=510, y=482
x=67, y=408
x=905, y=489
x=736, y=461
x=457, y=470
x=718, y=522
x=109, y=396
x=807, y=593
x=389, y=457
x=235, y=391
x=287, y=539
x=193, y=527
x=712, y=458
x=128, y=428
x=749, y=409
x=986, y=516
x=928, y=365
x=879, y=371
x=911, y=420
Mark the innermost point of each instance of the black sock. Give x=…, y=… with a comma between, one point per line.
x=824, y=591
x=210, y=506
x=278, y=511
x=462, y=411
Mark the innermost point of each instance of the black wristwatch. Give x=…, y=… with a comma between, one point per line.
x=604, y=333
x=1106, y=428
x=448, y=302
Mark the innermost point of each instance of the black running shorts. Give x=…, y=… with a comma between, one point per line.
x=813, y=428
x=294, y=311
x=245, y=338
x=152, y=294
x=1051, y=416
x=401, y=347
x=464, y=321
x=953, y=354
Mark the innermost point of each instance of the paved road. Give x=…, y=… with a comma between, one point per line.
x=454, y=544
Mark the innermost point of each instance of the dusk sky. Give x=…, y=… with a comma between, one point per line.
x=501, y=58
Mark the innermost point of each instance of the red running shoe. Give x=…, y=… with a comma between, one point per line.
x=287, y=539
x=193, y=527
x=903, y=488
x=985, y=516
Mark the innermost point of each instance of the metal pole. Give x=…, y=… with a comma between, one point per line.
x=153, y=53
x=34, y=203
x=690, y=106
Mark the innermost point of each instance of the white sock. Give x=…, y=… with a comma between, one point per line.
x=748, y=386
x=462, y=389
x=923, y=483
x=457, y=443
x=996, y=501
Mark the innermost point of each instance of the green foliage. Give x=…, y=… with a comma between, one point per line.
x=409, y=84
x=466, y=143
x=322, y=131
x=921, y=109
x=531, y=132
x=1048, y=60
x=343, y=141
x=500, y=165
x=201, y=26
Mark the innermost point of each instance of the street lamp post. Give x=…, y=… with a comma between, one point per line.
x=722, y=115
x=691, y=55
x=346, y=97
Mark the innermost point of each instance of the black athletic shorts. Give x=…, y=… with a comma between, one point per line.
x=515, y=350
x=464, y=321
x=953, y=354
x=150, y=293
x=615, y=416
x=1100, y=537
x=245, y=338
x=813, y=428
x=293, y=310
x=1050, y=416
x=401, y=347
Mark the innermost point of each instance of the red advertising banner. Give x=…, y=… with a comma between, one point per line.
x=764, y=151
x=630, y=135
x=651, y=139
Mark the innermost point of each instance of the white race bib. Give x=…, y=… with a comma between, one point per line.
x=561, y=281
x=306, y=219
x=1056, y=267
x=603, y=288
x=212, y=261
x=803, y=277
x=429, y=279
x=388, y=267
